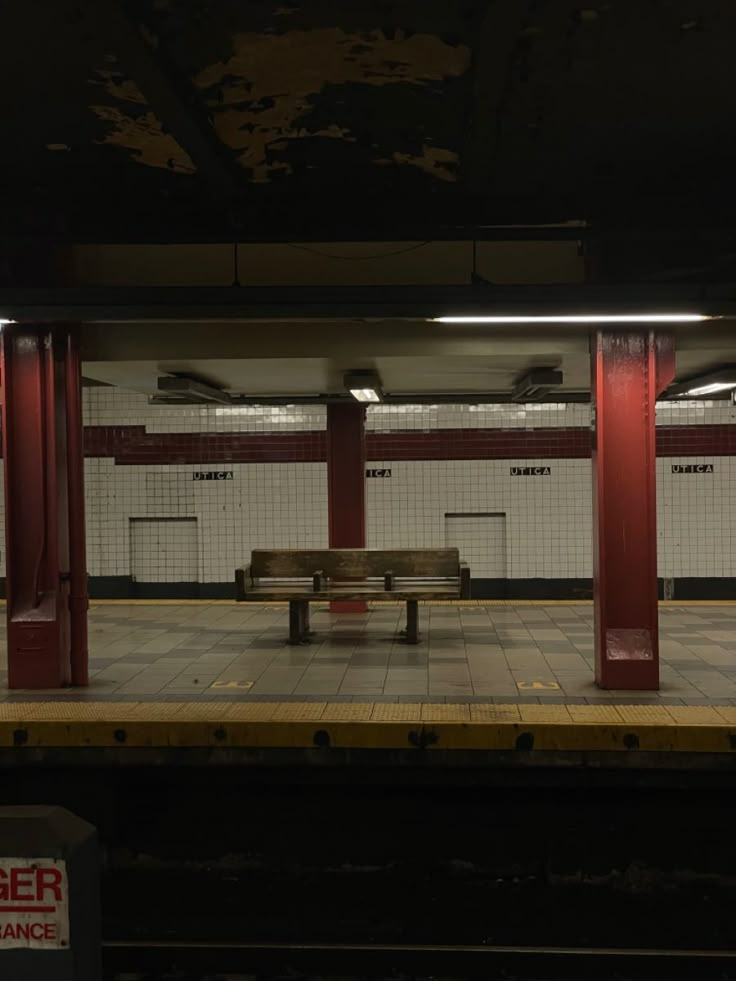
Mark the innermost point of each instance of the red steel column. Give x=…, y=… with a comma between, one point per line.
x=629, y=370
x=346, y=484
x=35, y=447
x=78, y=598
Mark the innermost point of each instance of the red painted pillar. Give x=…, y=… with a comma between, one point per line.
x=629, y=370
x=346, y=484
x=36, y=431
x=78, y=595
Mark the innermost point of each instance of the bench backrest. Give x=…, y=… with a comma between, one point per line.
x=338, y=563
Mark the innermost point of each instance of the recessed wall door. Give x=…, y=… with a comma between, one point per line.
x=164, y=550
x=481, y=539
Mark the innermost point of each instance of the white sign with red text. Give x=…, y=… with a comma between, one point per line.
x=34, y=903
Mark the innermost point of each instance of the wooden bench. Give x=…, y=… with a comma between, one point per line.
x=301, y=576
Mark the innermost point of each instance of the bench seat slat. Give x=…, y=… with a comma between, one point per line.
x=303, y=575
x=347, y=562
x=368, y=581
x=419, y=592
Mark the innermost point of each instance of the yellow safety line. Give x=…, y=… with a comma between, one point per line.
x=411, y=726
x=376, y=603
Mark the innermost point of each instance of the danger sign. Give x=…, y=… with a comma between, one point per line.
x=34, y=903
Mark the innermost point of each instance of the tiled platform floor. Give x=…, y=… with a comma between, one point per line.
x=469, y=653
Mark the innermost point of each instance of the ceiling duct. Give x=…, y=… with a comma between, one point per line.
x=182, y=390
x=535, y=384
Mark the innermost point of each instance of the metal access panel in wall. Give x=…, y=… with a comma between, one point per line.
x=481, y=540
x=164, y=556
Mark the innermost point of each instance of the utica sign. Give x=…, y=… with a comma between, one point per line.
x=34, y=903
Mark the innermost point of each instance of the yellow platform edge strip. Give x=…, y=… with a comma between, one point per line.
x=379, y=726
x=379, y=603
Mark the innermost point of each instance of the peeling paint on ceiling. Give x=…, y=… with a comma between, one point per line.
x=271, y=81
x=263, y=95
x=436, y=161
x=142, y=133
x=118, y=86
x=144, y=136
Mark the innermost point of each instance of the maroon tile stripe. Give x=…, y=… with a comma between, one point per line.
x=131, y=445
x=479, y=444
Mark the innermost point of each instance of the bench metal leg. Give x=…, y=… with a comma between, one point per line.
x=412, y=622
x=306, y=631
x=298, y=622
x=296, y=618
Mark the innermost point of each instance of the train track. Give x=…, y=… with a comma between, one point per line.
x=194, y=961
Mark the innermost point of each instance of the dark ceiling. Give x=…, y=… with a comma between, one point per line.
x=188, y=120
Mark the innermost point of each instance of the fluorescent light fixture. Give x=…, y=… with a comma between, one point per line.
x=590, y=318
x=710, y=389
x=365, y=394
x=364, y=386
x=3, y=321
x=721, y=379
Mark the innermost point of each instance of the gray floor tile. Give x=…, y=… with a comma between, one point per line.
x=466, y=653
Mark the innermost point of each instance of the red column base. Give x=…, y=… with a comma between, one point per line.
x=631, y=661
x=348, y=606
x=38, y=646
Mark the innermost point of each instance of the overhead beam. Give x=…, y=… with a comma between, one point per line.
x=174, y=100
x=399, y=398
x=207, y=304
x=64, y=206
x=163, y=347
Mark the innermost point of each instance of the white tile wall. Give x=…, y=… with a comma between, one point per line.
x=688, y=412
x=264, y=505
x=548, y=519
x=481, y=540
x=696, y=518
x=382, y=418
x=107, y=406
x=164, y=550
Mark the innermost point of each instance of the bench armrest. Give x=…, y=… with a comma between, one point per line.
x=243, y=582
x=464, y=580
x=318, y=581
x=388, y=581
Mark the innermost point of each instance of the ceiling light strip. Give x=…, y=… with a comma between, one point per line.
x=590, y=318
